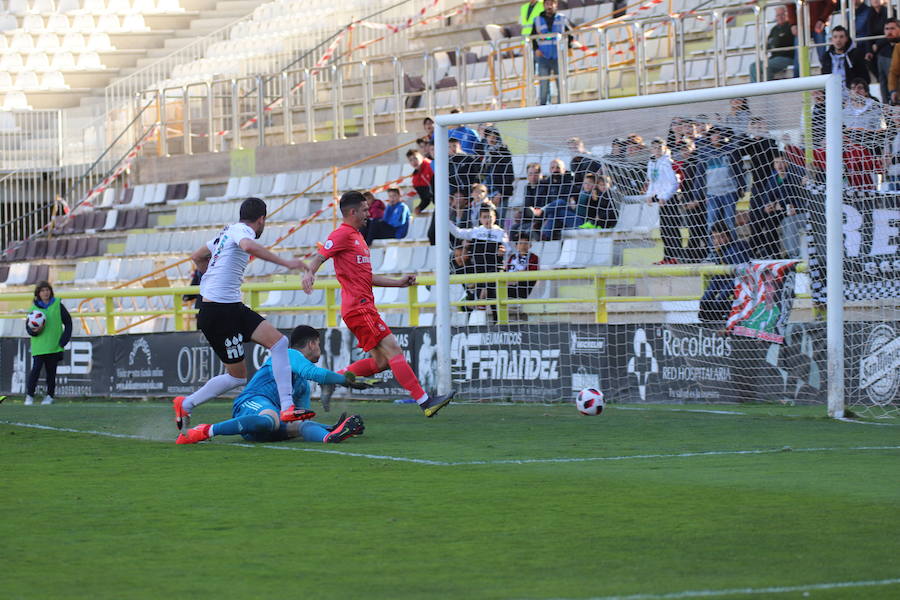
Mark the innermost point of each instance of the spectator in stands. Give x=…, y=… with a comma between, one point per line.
x=598, y=208
x=878, y=17
x=780, y=36
x=715, y=304
x=422, y=179
x=692, y=200
x=724, y=176
x=545, y=25
x=818, y=118
x=464, y=169
x=561, y=183
x=527, y=14
x=426, y=148
x=533, y=191
x=394, y=224
x=892, y=153
x=376, y=215
x=484, y=247
x=883, y=52
x=467, y=136
x=767, y=210
x=524, y=223
x=676, y=133
x=523, y=259
x=820, y=12
x=497, y=171
x=844, y=58
x=560, y=214
x=761, y=151
x=428, y=128
x=862, y=115
x=662, y=186
x=861, y=25
x=396, y=215
x=47, y=345
x=581, y=162
x=738, y=117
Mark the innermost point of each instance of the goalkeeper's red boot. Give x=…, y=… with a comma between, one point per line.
x=352, y=425
x=182, y=417
x=200, y=433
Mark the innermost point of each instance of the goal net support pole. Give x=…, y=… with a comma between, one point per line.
x=834, y=181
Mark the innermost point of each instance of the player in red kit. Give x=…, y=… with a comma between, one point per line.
x=353, y=268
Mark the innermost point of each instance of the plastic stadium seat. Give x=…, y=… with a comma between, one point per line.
x=109, y=22
x=11, y=61
x=17, y=7
x=109, y=197
x=27, y=80
x=193, y=191
x=33, y=23
x=8, y=22
x=21, y=41
x=63, y=61
x=122, y=7
x=47, y=41
x=100, y=42
x=89, y=61
x=43, y=6
x=5, y=120
x=73, y=41
x=67, y=6
x=83, y=23
x=156, y=194
x=53, y=80
x=94, y=6
x=37, y=61
x=230, y=190
x=111, y=218
x=134, y=22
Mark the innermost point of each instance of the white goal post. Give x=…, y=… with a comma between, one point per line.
x=833, y=88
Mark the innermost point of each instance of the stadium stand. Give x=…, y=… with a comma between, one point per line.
x=131, y=230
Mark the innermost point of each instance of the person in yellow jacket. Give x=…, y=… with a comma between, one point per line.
x=527, y=13
x=47, y=346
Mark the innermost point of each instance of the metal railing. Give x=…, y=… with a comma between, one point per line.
x=375, y=95
x=110, y=315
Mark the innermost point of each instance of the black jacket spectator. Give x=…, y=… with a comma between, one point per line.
x=854, y=61
x=580, y=165
x=465, y=169
x=498, y=168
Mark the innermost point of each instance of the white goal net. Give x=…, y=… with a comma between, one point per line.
x=673, y=253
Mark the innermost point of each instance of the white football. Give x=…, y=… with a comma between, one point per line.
x=34, y=322
x=590, y=402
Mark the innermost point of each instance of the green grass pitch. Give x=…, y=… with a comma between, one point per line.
x=483, y=501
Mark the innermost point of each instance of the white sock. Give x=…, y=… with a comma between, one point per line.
x=422, y=400
x=214, y=387
x=281, y=369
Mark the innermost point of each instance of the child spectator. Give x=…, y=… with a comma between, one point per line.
x=422, y=179
x=428, y=128
x=484, y=245
x=376, y=214
x=396, y=215
x=523, y=259
x=602, y=211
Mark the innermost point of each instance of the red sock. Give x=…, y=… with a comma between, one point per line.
x=403, y=373
x=363, y=368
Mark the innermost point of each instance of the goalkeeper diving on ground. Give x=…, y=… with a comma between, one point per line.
x=256, y=413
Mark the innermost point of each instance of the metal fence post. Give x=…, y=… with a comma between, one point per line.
x=235, y=116
x=260, y=112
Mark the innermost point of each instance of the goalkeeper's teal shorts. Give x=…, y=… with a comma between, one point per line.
x=255, y=405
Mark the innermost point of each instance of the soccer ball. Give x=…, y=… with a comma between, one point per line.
x=34, y=322
x=590, y=402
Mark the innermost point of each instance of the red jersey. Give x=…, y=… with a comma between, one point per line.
x=424, y=175
x=353, y=267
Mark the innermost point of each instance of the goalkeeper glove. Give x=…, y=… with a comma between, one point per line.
x=358, y=383
x=296, y=414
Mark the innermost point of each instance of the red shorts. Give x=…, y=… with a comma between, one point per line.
x=368, y=327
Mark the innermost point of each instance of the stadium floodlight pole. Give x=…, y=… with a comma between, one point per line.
x=834, y=243
x=596, y=107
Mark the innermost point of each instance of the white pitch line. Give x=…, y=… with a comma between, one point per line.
x=439, y=463
x=752, y=591
x=858, y=422
x=690, y=410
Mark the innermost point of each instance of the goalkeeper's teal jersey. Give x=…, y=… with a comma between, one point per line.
x=263, y=387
